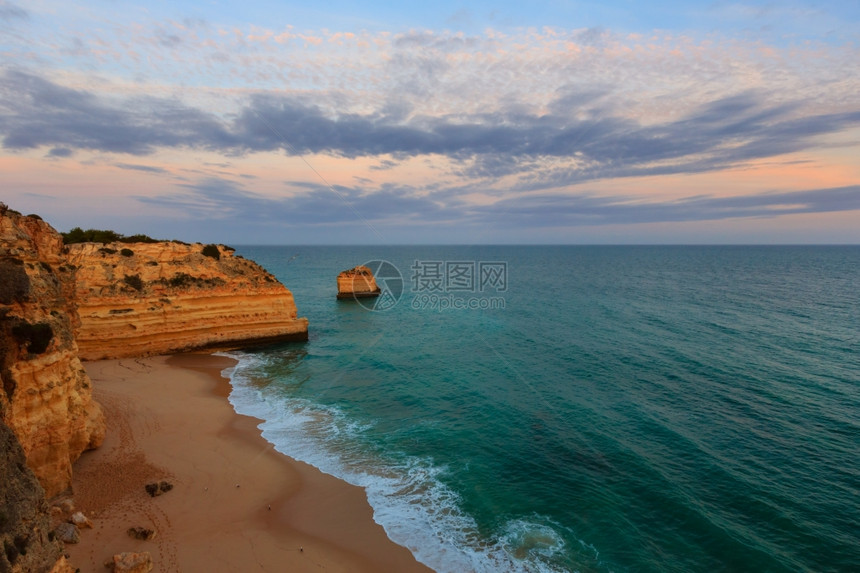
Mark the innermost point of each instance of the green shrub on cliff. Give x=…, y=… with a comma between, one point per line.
x=185, y=281
x=212, y=251
x=139, y=238
x=134, y=281
x=4, y=208
x=78, y=235
x=180, y=280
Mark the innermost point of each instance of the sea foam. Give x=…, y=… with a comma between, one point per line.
x=409, y=500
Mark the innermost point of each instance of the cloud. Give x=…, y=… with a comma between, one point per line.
x=555, y=148
x=146, y=168
x=583, y=209
x=384, y=165
x=168, y=39
x=216, y=198
x=36, y=112
x=721, y=133
x=10, y=11
x=317, y=204
x=522, y=118
x=60, y=152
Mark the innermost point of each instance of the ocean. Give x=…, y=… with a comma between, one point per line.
x=580, y=408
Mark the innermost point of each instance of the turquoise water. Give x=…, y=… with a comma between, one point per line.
x=628, y=409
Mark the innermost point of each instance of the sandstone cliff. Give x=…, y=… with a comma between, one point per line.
x=356, y=282
x=47, y=397
x=153, y=298
x=26, y=544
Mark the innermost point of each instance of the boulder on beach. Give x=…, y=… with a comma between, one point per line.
x=67, y=533
x=156, y=489
x=141, y=533
x=130, y=562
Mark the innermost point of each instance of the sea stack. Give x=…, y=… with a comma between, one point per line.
x=357, y=282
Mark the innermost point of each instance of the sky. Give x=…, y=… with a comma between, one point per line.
x=547, y=122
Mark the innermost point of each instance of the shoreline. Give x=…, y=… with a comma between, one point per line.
x=169, y=419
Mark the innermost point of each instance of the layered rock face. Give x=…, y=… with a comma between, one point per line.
x=138, y=299
x=356, y=282
x=46, y=397
x=25, y=542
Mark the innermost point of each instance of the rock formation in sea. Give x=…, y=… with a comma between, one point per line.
x=46, y=398
x=356, y=282
x=136, y=299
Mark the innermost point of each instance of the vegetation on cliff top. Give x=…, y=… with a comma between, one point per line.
x=212, y=251
x=104, y=236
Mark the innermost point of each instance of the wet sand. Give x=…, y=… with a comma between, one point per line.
x=236, y=504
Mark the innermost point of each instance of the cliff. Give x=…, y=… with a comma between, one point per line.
x=138, y=299
x=356, y=282
x=159, y=297
x=47, y=396
x=26, y=544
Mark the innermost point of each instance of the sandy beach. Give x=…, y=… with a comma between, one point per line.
x=236, y=504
